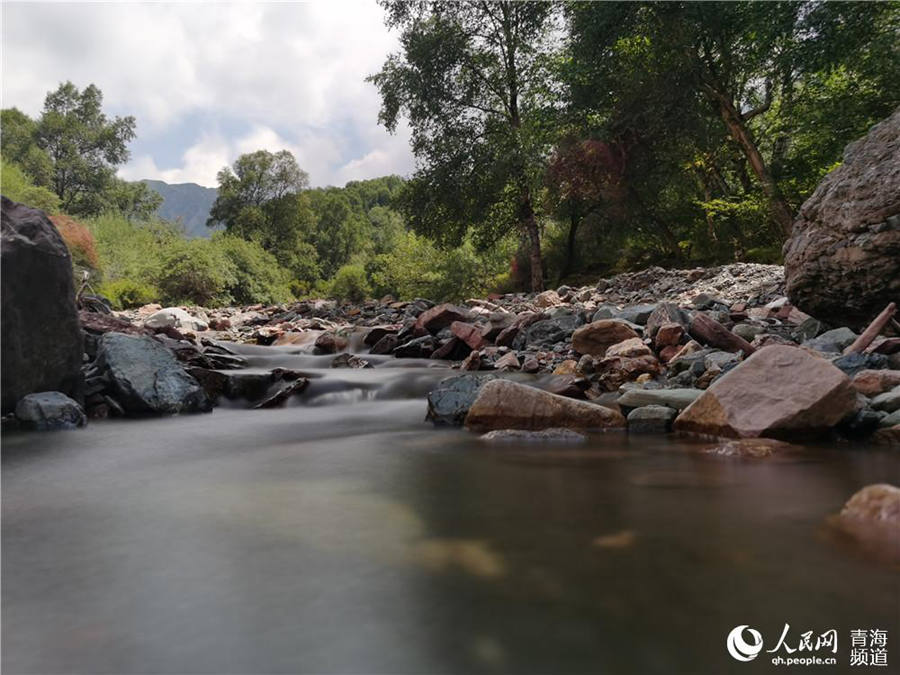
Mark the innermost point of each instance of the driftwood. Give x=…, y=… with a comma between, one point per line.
x=870, y=333
x=711, y=332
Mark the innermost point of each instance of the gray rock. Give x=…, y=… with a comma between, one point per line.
x=856, y=362
x=677, y=399
x=41, y=342
x=147, y=378
x=449, y=403
x=49, y=411
x=748, y=331
x=175, y=317
x=719, y=360
x=832, y=341
x=651, y=419
x=891, y=420
x=638, y=314
x=889, y=401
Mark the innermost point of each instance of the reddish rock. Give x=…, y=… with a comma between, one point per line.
x=376, y=333
x=669, y=335
x=439, y=317
x=98, y=324
x=531, y=365
x=779, y=391
x=874, y=382
x=665, y=313
x=453, y=349
x=614, y=371
x=711, y=332
x=471, y=362
x=567, y=367
x=502, y=404
x=596, y=337
x=508, y=361
x=219, y=324
x=666, y=354
x=385, y=345
x=326, y=343
x=468, y=333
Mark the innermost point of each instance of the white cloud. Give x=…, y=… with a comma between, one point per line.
x=298, y=68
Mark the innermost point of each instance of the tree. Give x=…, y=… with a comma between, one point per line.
x=261, y=199
x=83, y=145
x=18, y=144
x=472, y=78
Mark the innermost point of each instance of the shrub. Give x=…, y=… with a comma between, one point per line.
x=257, y=276
x=16, y=185
x=80, y=241
x=195, y=272
x=350, y=283
x=125, y=293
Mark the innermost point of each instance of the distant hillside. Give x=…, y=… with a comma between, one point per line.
x=187, y=203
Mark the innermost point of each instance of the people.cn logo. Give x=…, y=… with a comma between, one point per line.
x=739, y=648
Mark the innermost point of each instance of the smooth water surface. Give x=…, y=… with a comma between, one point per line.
x=346, y=535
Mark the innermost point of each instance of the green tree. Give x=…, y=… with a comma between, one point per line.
x=84, y=146
x=261, y=199
x=18, y=144
x=473, y=80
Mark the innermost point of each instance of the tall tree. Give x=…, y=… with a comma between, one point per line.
x=472, y=79
x=84, y=146
x=261, y=199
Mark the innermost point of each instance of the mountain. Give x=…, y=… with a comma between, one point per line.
x=187, y=203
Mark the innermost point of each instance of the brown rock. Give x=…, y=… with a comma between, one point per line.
x=468, y=333
x=842, y=261
x=872, y=518
x=502, y=404
x=666, y=313
x=691, y=347
x=596, y=337
x=385, y=345
x=779, y=391
x=567, y=367
x=874, y=382
x=615, y=371
x=666, y=354
x=629, y=348
x=508, y=361
x=439, y=317
x=531, y=365
x=668, y=335
x=711, y=332
x=547, y=299
x=753, y=448
x=471, y=362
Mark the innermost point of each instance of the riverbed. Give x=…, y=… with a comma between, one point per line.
x=345, y=534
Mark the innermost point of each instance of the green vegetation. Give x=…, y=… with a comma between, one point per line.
x=554, y=141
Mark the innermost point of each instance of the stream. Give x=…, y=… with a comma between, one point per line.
x=344, y=534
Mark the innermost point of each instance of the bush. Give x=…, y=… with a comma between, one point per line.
x=125, y=293
x=79, y=240
x=257, y=276
x=195, y=272
x=16, y=185
x=350, y=283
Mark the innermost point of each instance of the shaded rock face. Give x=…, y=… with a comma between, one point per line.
x=780, y=391
x=842, y=261
x=49, y=411
x=41, y=338
x=502, y=404
x=450, y=401
x=147, y=378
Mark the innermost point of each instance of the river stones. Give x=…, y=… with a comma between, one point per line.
x=778, y=391
x=49, y=411
x=874, y=382
x=450, y=401
x=596, y=337
x=146, y=377
x=651, y=419
x=439, y=317
x=175, y=317
x=502, y=404
x=41, y=342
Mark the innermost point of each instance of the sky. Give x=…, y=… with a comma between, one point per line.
x=210, y=81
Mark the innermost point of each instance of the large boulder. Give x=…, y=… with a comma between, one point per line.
x=146, y=377
x=49, y=411
x=41, y=339
x=842, y=261
x=779, y=391
x=502, y=404
x=449, y=402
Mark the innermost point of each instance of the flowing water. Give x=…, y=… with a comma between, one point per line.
x=344, y=534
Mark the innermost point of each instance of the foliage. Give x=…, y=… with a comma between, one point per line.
x=256, y=274
x=350, y=283
x=193, y=271
x=472, y=79
x=126, y=293
x=16, y=185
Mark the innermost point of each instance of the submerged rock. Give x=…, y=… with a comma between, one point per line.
x=542, y=436
x=778, y=391
x=502, y=404
x=49, y=411
x=751, y=448
x=41, y=341
x=147, y=378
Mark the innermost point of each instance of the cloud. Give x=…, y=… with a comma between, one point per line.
x=225, y=76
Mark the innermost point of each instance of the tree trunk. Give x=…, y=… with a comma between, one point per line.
x=569, y=260
x=781, y=211
x=529, y=224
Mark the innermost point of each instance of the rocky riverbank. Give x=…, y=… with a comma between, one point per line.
x=717, y=351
